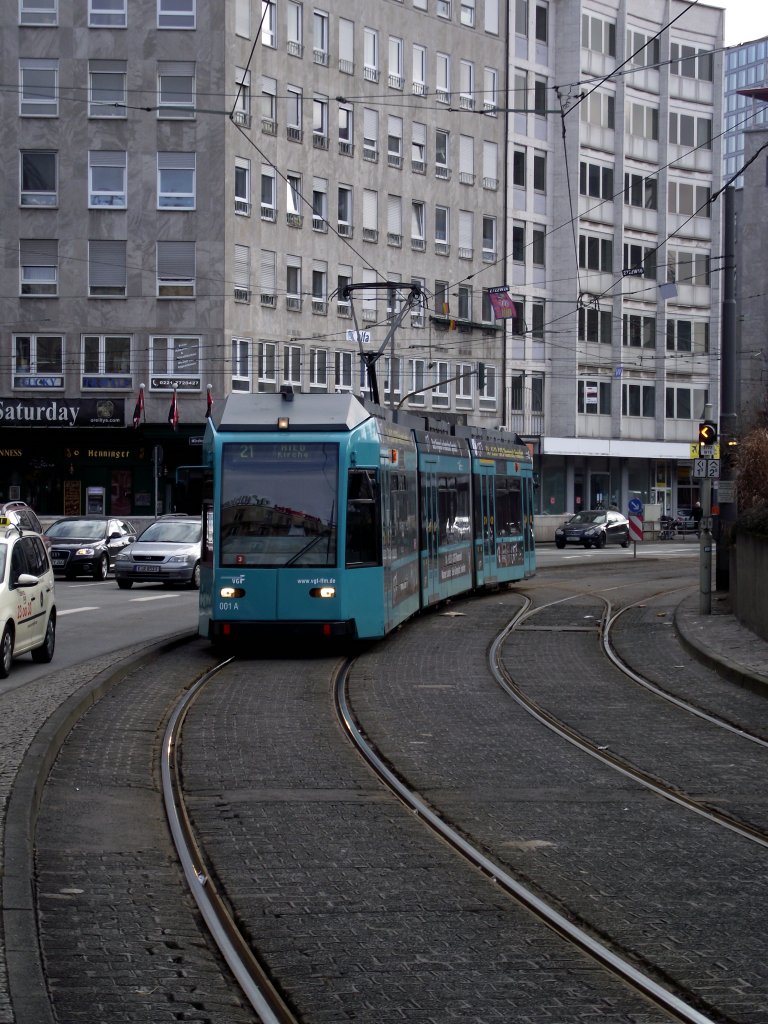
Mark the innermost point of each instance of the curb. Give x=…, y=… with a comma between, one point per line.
x=707, y=655
x=27, y=986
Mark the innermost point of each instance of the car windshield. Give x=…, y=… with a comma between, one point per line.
x=78, y=529
x=587, y=517
x=179, y=532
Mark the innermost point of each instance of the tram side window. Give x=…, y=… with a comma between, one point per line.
x=363, y=519
x=401, y=529
x=509, y=506
x=453, y=498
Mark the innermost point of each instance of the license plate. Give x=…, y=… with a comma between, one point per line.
x=147, y=568
x=58, y=561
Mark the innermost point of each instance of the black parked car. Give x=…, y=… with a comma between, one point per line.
x=596, y=528
x=87, y=545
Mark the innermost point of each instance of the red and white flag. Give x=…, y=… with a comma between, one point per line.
x=173, y=412
x=138, y=409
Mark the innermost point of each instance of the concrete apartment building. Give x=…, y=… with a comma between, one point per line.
x=190, y=185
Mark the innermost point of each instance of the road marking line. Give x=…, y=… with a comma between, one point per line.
x=156, y=597
x=74, y=611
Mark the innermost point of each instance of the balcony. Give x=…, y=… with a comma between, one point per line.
x=441, y=171
x=442, y=249
x=370, y=74
x=346, y=67
x=394, y=160
x=466, y=178
x=243, y=207
x=320, y=307
x=370, y=154
x=293, y=302
x=269, y=213
x=394, y=239
x=320, y=57
x=344, y=309
x=466, y=102
x=344, y=230
x=419, y=89
x=418, y=245
x=268, y=126
x=395, y=81
x=490, y=183
x=267, y=299
x=294, y=134
x=346, y=148
x=442, y=95
x=294, y=48
x=418, y=167
x=319, y=224
x=370, y=235
x=242, y=118
x=242, y=294
x=465, y=253
x=319, y=141
x=294, y=220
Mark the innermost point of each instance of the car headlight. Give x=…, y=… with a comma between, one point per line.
x=559, y=531
x=86, y=552
x=123, y=556
x=183, y=559
x=591, y=532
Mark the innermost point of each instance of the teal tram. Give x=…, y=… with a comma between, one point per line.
x=332, y=517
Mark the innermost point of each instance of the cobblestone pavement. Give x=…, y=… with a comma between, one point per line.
x=361, y=914
x=28, y=714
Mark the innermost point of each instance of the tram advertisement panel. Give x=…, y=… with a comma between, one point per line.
x=454, y=564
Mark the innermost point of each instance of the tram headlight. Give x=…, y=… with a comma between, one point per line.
x=230, y=592
x=323, y=592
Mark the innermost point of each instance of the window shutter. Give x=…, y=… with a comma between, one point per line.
x=370, y=123
x=176, y=261
x=419, y=134
x=106, y=264
x=175, y=161
x=346, y=39
x=107, y=158
x=242, y=266
x=267, y=271
x=466, y=154
x=39, y=252
x=394, y=215
x=490, y=155
x=465, y=229
x=177, y=68
x=370, y=208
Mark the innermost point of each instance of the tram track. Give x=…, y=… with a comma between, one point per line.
x=551, y=720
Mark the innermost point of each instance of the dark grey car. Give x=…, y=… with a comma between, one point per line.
x=167, y=552
x=594, y=529
x=87, y=545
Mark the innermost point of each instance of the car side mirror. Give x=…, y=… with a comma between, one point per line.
x=26, y=579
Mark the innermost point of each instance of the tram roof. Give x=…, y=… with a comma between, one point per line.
x=303, y=412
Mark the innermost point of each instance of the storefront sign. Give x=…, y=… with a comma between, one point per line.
x=103, y=382
x=180, y=383
x=38, y=382
x=54, y=412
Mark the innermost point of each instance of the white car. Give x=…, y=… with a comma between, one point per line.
x=27, y=604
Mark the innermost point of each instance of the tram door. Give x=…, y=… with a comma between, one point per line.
x=485, y=529
x=430, y=562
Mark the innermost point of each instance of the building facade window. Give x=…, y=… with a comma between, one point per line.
x=107, y=80
x=39, y=12
x=176, y=181
x=39, y=267
x=175, y=270
x=107, y=269
x=176, y=14
x=106, y=361
x=595, y=325
x=638, y=331
x=241, y=364
x=640, y=190
x=173, y=356
x=594, y=397
x=638, y=400
x=38, y=359
x=595, y=253
x=39, y=180
x=38, y=88
x=107, y=13
x=595, y=180
x=598, y=35
x=176, y=90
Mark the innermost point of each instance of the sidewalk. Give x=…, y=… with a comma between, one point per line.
x=720, y=641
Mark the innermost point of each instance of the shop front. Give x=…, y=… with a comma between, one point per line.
x=78, y=457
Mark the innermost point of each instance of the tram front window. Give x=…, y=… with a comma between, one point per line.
x=279, y=505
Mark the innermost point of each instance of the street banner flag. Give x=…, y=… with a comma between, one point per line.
x=138, y=409
x=447, y=312
x=173, y=412
x=503, y=307
x=209, y=408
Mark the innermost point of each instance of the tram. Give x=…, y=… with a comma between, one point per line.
x=329, y=516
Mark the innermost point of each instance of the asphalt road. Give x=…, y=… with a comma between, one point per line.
x=98, y=618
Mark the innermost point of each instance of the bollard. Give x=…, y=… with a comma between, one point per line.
x=705, y=567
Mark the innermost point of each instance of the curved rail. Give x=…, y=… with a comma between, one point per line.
x=619, y=764
x=693, y=709
x=250, y=975
x=616, y=964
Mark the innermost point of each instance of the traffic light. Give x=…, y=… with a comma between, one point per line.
x=707, y=433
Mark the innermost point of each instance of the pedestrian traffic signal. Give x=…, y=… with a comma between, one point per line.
x=707, y=433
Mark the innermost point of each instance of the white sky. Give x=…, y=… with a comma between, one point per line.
x=744, y=19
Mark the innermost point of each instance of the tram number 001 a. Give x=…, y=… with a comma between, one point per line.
x=229, y=606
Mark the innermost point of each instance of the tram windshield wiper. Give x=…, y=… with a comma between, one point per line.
x=308, y=547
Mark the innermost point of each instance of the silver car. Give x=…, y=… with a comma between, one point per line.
x=167, y=552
